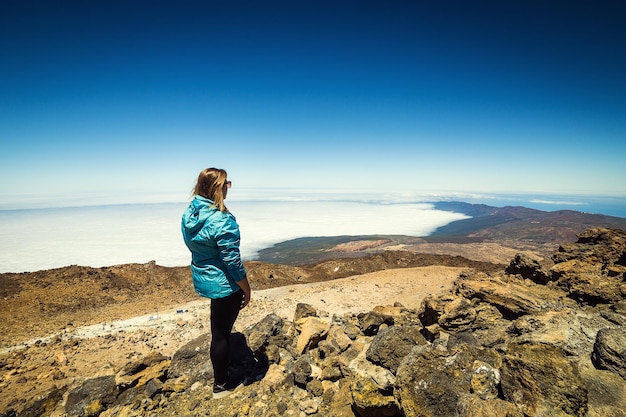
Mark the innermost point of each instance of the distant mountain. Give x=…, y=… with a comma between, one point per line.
x=521, y=228
x=517, y=223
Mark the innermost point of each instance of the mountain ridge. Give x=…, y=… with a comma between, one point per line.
x=486, y=222
x=515, y=227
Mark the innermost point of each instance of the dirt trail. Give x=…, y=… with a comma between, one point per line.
x=356, y=294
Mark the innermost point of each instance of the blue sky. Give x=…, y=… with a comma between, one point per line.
x=136, y=97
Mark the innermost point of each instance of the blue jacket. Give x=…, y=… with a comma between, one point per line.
x=213, y=238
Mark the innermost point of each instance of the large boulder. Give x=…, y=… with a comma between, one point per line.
x=92, y=396
x=529, y=268
x=593, y=269
x=390, y=346
x=596, y=245
x=462, y=320
x=438, y=382
x=371, y=321
x=259, y=335
x=337, y=339
x=194, y=360
x=513, y=298
x=541, y=381
x=609, y=350
x=459, y=314
x=312, y=331
x=572, y=330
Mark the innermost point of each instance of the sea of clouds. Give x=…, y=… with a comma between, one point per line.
x=109, y=235
x=112, y=234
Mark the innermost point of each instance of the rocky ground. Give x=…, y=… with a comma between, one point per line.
x=79, y=324
x=69, y=323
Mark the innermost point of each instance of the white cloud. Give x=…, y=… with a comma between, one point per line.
x=105, y=235
x=109, y=235
x=557, y=202
x=266, y=223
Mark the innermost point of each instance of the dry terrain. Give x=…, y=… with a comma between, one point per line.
x=73, y=322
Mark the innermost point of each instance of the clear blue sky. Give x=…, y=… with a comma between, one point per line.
x=469, y=96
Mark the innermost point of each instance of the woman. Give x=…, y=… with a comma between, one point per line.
x=212, y=235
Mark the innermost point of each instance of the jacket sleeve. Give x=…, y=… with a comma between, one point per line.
x=228, y=239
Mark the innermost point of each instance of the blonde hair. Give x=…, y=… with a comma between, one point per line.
x=210, y=184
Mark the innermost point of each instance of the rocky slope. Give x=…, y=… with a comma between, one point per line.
x=541, y=337
x=44, y=303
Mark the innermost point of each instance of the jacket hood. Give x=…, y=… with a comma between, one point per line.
x=197, y=213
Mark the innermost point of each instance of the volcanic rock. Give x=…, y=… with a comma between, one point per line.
x=509, y=343
x=609, y=350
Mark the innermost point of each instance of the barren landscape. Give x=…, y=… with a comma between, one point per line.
x=70, y=330
x=73, y=322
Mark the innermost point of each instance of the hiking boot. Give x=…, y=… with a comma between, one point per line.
x=224, y=390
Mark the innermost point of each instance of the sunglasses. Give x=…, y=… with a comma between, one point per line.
x=228, y=184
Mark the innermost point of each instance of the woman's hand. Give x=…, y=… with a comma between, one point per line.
x=246, y=299
x=247, y=292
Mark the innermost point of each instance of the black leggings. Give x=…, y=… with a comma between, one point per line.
x=224, y=312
